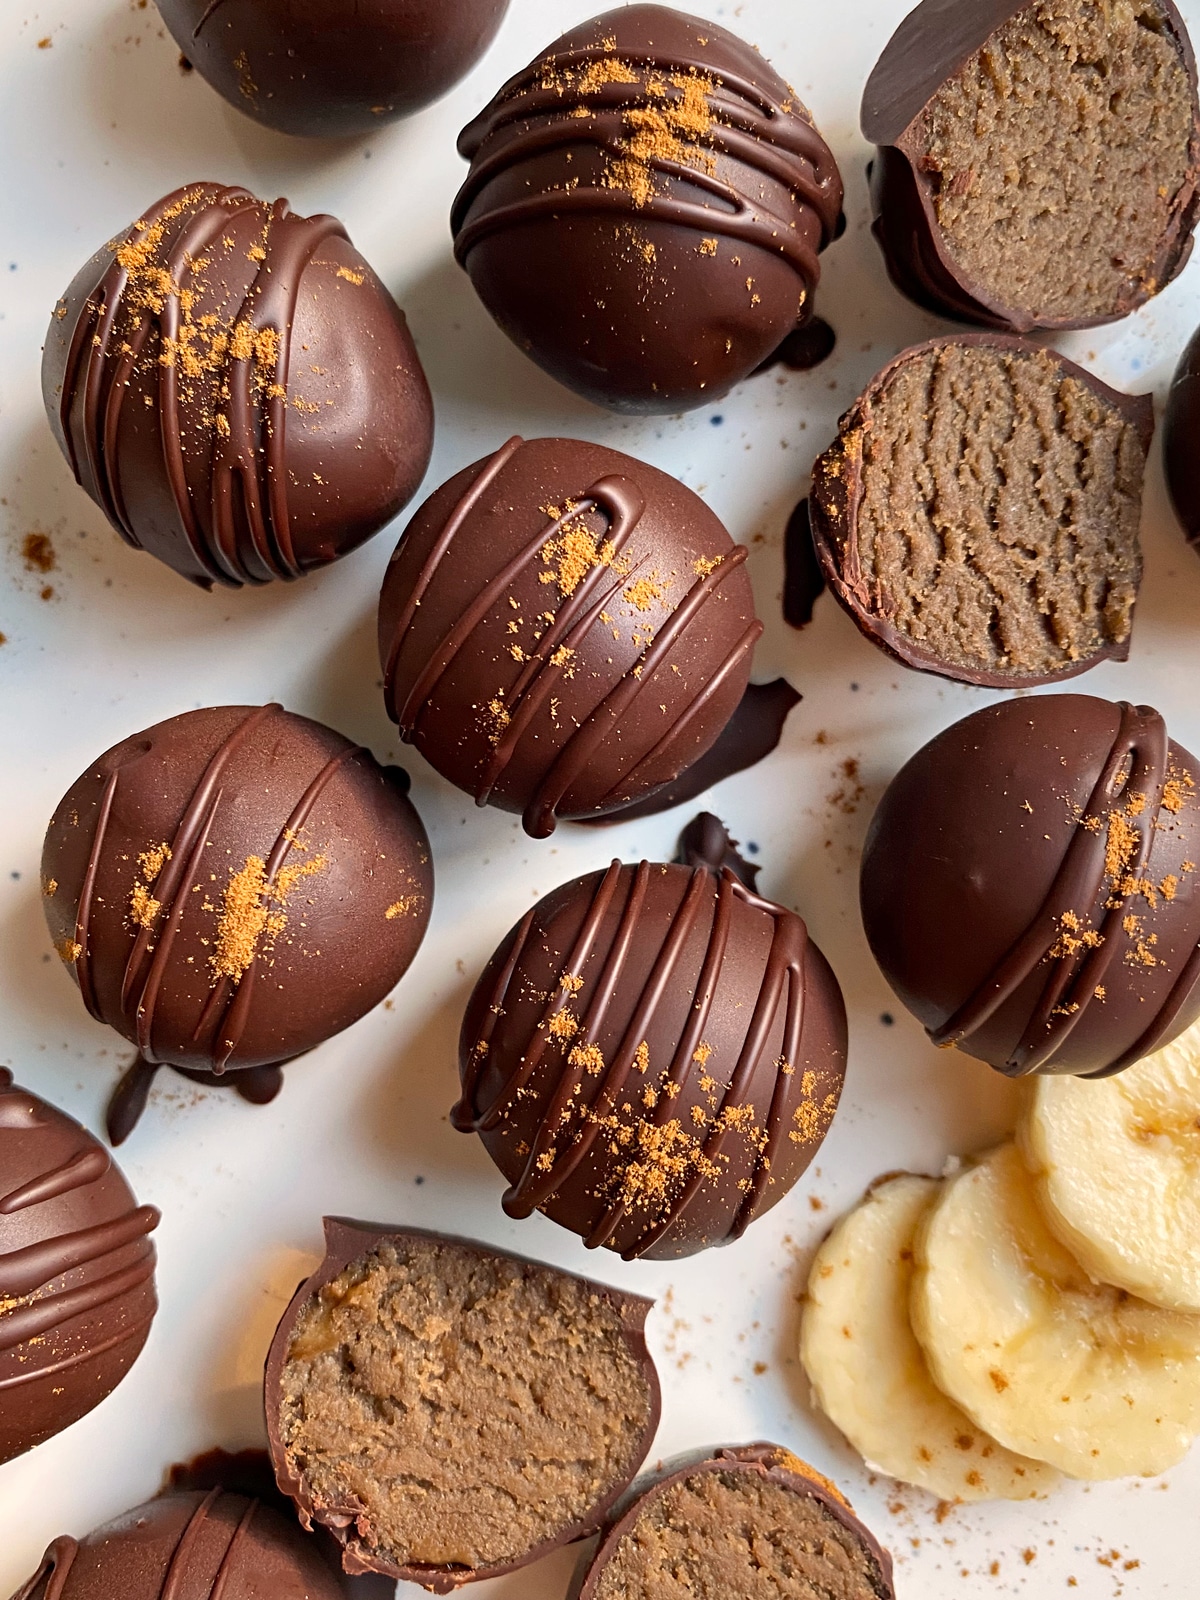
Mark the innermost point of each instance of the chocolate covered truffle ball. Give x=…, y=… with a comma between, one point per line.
x=191, y=1546
x=653, y=1056
x=76, y=1271
x=978, y=513
x=564, y=630
x=1037, y=159
x=450, y=1412
x=1181, y=440
x=1030, y=888
x=645, y=208
x=229, y=889
x=752, y=1521
x=328, y=67
x=236, y=390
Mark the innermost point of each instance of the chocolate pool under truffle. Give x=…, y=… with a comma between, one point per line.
x=653, y=1056
x=451, y=1412
x=645, y=209
x=1181, y=441
x=232, y=887
x=564, y=630
x=978, y=513
x=189, y=1546
x=76, y=1271
x=332, y=67
x=752, y=1521
x=1030, y=885
x=1038, y=158
x=236, y=390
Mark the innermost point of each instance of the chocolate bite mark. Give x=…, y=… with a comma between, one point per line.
x=1058, y=157
x=205, y=377
x=451, y=1412
x=978, y=515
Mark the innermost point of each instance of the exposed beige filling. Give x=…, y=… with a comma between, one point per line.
x=474, y=1407
x=999, y=520
x=735, y=1536
x=1060, y=148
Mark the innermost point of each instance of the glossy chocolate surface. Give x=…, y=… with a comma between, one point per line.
x=565, y=630
x=345, y=1242
x=933, y=43
x=767, y=1462
x=232, y=887
x=194, y=1545
x=832, y=518
x=76, y=1271
x=645, y=209
x=653, y=1056
x=1181, y=440
x=332, y=67
x=1030, y=885
x=236, y=389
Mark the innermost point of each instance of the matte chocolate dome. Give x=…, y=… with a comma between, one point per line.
x=190, y=1546
x=324, y=67
x=1030, y=885
x=652, y=1057
x=645, y=208
x=236, y=390
x=76, y=1271
x=564, y=630
x=232, y=887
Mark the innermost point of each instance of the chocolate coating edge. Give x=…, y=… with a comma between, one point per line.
x=345, y=1240
x=929, y=46
x=1181, y=441
x=835, y=498
x=770, y=1461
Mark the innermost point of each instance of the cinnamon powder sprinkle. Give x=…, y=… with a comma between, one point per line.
x=402, y=907
x=69, y=950
x=251, y=909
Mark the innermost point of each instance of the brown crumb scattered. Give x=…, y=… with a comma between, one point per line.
x=69, y=950
x=38, y=552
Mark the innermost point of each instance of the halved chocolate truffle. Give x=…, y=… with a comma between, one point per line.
x=653, y=1055
x=978, y=513
x=1181, y=440
x=189, y=1546
x=752, y=1521
x=451, y=1412
x=565, y=630
x=1038, y=158
x=229, y=889
x=76, y=1271
x=236, y=389
x=645, y=208
x=332, y=67
x=1030, y=885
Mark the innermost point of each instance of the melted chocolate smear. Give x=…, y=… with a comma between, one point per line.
x=752, y=732
x=705, y=842
x=258, y=1085
x=804, y=348
x=803, y=580
x=249, y=1472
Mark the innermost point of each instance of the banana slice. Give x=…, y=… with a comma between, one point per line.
x=1116, y=1167
x=1052, y=1364
x=866, y=1368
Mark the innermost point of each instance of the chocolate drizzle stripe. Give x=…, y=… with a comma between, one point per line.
x=42, y=1316
x=76, y=1173
x=251, y=453
x=711, y=688
x=1158, y=1030
x=462, y=1117
x=30, y=1268
x=237, y=1014
x=545, y=1172
x=466, y=504
x=1140, y=742
x=468, y=1117
x=224, y=1576
x=56, y=1564
x=83, y=915
x=575, y=754
x=180, y=1560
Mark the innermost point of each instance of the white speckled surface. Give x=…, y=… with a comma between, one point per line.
x=92, y=128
